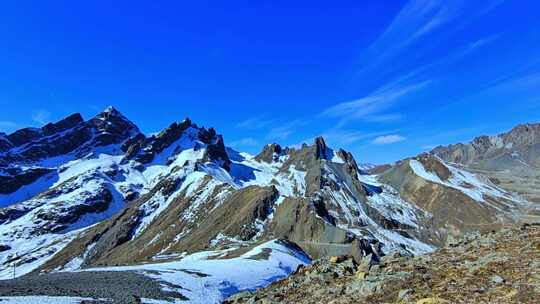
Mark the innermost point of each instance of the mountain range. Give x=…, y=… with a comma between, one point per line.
x=180, y=216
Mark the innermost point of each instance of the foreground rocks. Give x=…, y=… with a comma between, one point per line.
x=500, y=267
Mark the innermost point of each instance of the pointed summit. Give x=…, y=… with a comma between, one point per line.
x=321, y=148
x=110, y=109
x=109, y=112
x=113, y=127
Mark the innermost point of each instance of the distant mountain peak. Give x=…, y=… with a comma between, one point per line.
x=64, y=124
x=110, y=109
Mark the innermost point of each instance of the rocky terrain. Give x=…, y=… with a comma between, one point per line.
x=205, y=221
x=496, y=267
x=510, y=159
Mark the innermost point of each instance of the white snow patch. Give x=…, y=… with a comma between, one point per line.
x=224, y=276
x=464, y=181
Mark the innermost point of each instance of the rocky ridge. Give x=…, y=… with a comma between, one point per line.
x=510, y=159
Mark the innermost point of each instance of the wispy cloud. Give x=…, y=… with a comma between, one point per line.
x=284, y=131
x=416, y=19
x=41, y=116
x=478, y=44
x=257, y=122
x=512, y=84
x=491, y=6
x=402, y=42
x=388, y=139
x=372, y=108
x=244, y=142
x=340, y=137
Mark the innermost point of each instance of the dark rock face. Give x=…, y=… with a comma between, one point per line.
x=61, y=217
x=112, y=127
x=131, y=145
x=64, y=124
x=351, y=165
x=362, y=248
x=321, y=149
x=216, y=152
x=55, y=144
x=10, y=214
x=17, y=178
x=5, y=144
x=144, y=150
x=119, y=232
x=23, y=136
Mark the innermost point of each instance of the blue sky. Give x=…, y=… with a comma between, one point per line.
x=383, y=79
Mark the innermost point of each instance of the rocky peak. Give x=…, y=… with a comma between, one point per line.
x=112, y=110
x=270, y=153
x=71, y=134
x=171, y=134
x=111, y=118
x=112, y=127
x=144, y=149
x=321, y=149
x=350, y=162
x=482, y=144
x=216, y=151
x=522, y=135
x=64, y=124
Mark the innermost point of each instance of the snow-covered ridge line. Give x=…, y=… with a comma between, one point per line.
x=463, y=181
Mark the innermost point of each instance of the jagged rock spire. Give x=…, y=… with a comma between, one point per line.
x=321, y=148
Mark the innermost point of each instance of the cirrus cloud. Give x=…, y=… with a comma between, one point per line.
x=388, y=139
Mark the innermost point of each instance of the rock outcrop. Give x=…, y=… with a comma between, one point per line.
x=491, y=268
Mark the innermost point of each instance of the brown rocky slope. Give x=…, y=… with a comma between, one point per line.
x=497, y=267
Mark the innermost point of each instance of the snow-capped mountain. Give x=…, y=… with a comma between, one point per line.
x=510, y=159
x=99, y=195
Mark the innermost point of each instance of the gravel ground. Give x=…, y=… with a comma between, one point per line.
x=116, y=287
